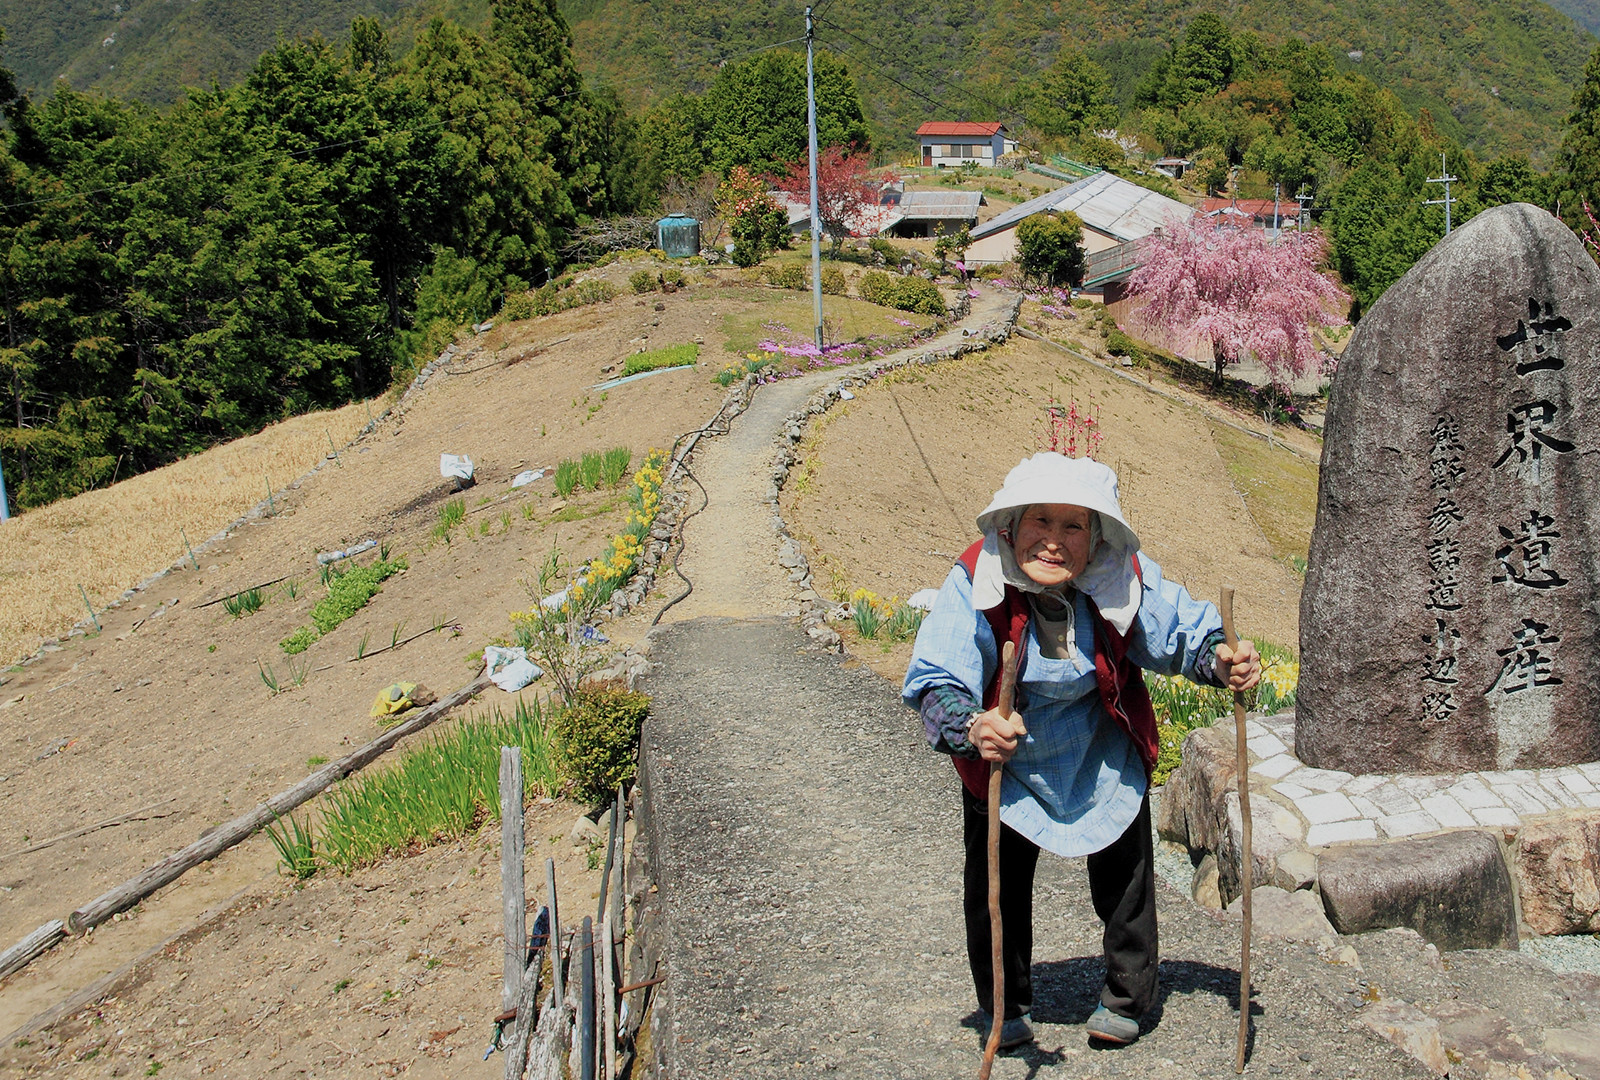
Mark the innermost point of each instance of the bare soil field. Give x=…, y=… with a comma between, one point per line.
x=166, y=711
x=892, y=482
x=395, y=968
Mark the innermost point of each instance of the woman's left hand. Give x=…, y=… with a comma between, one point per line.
x=1242, y=666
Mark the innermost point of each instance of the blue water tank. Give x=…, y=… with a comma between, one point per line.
x=678, y=235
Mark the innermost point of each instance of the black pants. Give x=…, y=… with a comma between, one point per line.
x=1122, y=885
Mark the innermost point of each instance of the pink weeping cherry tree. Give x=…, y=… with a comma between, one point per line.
x=1243, y=291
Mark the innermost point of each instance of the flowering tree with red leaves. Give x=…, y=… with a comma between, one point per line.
x=1242, y=291
x=847, y=193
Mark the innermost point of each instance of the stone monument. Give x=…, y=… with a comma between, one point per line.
x=1451, y=614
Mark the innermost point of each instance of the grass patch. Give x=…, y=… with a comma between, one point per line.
x=582, y=513
x=857, y=320
x=669, y=357
x=592, y=468
x=615, y=465
x=568, y=474
x=1279, y=489
x=451, y=514
x=246, y=603
x=1182, y=706
x=438, y=790
x=348, y=593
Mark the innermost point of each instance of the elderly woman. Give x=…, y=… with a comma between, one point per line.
x=1059, y=573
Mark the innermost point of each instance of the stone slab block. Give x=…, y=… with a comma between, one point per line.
x=1497, y=816
x=1322, y=779
x=1327, y=808
x=1411, y=1029
x=1290, y=916
x=1275, y=768
x=1340, y=832
x=1558, y=865
x=1448, y=812
x=1402, y=825
x=1266, y=745
x=1453, y=889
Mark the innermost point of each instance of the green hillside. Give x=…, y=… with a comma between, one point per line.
x=1496, y=75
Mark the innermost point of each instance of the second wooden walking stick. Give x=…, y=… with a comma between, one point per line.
x=1246, y=859
x=1008, y=686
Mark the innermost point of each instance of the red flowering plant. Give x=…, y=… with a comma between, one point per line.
x=755, y=220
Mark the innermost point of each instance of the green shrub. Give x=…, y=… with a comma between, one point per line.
x=671, y=356
x=595, y=736
x=791, y=276
x=1120, y=344
x=990, y=271
x=907, y=293
x=833, y=281
x=560, y=295
x=642, y=281
x=876, y=287
x=567, y=476
x=1050, y=248
x=1082, y=303
x=889, y=252
x=672, y=276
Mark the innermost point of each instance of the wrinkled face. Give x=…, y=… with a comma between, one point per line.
x=1052, y=542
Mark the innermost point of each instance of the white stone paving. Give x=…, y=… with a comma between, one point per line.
x=1340, y=808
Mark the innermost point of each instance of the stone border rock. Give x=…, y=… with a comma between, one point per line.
x=1312, y=826
x=814, y=607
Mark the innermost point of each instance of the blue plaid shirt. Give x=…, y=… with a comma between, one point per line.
x=1076, y=781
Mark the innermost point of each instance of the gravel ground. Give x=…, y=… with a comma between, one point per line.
x=809, y=876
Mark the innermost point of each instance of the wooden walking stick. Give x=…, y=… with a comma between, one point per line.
x=1008, y=686
x=1246, y=859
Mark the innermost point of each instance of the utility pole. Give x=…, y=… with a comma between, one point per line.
x=1276, y=193
x=1303, y=198
x=816, y=224
x=1446, y=179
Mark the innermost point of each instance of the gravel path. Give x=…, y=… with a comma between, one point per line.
x=809, y=872
x=808, y=857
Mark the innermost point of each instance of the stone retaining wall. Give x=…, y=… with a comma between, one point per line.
x=1466, y=859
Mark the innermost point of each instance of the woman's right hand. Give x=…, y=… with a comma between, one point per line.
x=996, y=736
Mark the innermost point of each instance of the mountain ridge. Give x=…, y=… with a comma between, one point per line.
x=1496, y=76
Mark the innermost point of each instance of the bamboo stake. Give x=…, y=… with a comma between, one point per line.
x=92, y=616
x=586, y=1001
x=333, y=448
x=187, y=547
x=513, y=888
x=211, y=845
x=556, y=982
x=608, y=998
x=142, y=814
x=1008, y=685
x=1247, y=859
x=527, y=1016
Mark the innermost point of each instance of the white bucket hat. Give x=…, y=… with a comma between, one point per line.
x=1109, y=578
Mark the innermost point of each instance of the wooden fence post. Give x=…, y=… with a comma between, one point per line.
x=513, y=890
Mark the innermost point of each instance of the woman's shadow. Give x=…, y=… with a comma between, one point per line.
x=1066, y=992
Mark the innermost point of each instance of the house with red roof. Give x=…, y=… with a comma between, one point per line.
x=962, y=142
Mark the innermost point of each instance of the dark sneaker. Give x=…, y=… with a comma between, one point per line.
x=1111, y=1027
x=1014, y=1032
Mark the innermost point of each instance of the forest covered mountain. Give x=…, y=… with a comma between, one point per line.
x=1496, y=75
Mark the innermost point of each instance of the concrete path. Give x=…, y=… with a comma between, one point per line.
x=807, y=857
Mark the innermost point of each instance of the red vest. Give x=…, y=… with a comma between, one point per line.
x=1119, y=679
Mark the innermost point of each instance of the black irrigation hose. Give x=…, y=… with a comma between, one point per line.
x=709, y=429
